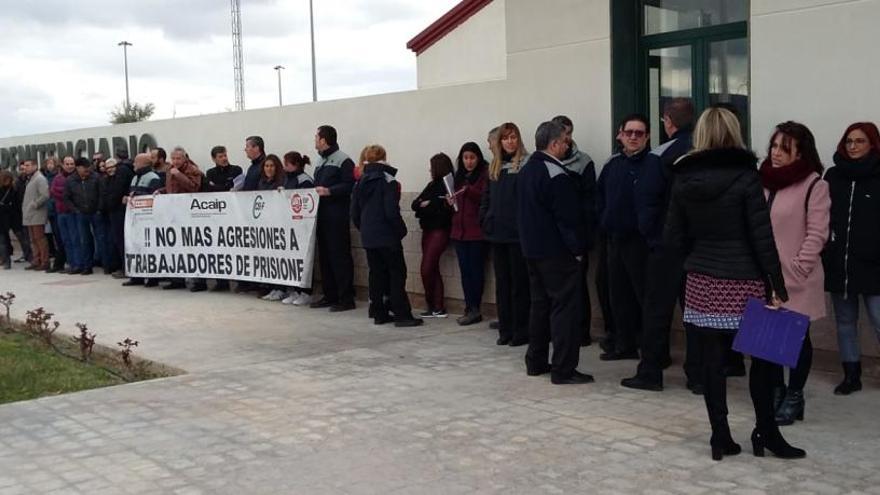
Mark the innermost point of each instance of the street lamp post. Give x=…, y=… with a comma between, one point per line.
x=278, y=69
x=314, y=70
x=125, y=45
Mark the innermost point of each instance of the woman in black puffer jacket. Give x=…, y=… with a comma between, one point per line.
x=719, y=220
x=852, y=256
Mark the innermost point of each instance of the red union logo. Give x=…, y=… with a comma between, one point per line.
x=141, y=202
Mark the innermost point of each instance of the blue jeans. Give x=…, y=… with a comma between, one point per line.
x=846, y=313
x=472, y=265
x=69, y=232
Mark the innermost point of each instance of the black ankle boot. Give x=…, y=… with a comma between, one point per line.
x=852, y=379
x=791, y=408
x=772, y=440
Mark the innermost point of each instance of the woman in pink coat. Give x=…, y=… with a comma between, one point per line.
x=800, y=209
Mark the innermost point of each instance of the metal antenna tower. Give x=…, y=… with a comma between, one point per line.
x=237, y=60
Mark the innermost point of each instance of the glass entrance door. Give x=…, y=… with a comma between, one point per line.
x=670, y=75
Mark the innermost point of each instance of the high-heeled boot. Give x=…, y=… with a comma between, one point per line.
x=771, y=439
x=791, y=409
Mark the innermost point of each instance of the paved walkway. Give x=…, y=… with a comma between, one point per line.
x=297, y=401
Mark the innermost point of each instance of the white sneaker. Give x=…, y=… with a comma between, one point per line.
x=275, y=295
x=302, y=299
x=291, y=299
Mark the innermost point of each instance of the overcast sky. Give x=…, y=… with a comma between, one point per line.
x=62, y=68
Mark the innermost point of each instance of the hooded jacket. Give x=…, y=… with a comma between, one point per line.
x=375, y=208
x=852, y=256
x=581, y=168
x=719, y=220
x=550, y=221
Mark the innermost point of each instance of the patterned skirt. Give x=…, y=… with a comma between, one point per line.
x=718, y=303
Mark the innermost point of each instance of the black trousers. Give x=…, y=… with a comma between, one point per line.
x=555, y=288
x=334, y=252
x=797, y=377
x=763, y=376
x=663, y=288
x=603, y=291
x=587, y=305
x=626, y=275
x=117, y=239
x=388, y=277
x=511, y=291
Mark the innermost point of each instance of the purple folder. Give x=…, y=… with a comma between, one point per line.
x=775, y=335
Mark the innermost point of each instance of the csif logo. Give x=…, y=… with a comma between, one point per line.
x=210, y=206
x=259, y=204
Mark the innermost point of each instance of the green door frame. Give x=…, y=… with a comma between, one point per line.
x=629, y=74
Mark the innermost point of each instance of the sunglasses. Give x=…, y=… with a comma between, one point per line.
x=634, y=133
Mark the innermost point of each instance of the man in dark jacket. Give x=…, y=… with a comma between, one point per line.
x=81, y=196
x=580, y=166
x=116, y=184
x=663, y=272
x=375, y=211
x=222, y=174
x=334, y=180
x=254, y=148
x=553, y=240
x=144, y=183
x=627, y=249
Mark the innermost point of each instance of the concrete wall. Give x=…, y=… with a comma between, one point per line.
x=475, y=51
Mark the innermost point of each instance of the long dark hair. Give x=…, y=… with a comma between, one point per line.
x=441, y=166
x=279, y=170
x=803, y=138
x=461, y=173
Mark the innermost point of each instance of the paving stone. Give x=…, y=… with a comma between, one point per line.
x=291, y=400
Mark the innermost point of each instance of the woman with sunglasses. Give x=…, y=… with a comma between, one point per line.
x=852, y=256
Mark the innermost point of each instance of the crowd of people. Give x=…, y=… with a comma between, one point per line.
x=697, y=222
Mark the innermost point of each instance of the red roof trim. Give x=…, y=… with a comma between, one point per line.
x=444, y=25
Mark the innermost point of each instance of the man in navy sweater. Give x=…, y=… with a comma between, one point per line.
x=627, y=249
x=553, y=238
x=664, y=267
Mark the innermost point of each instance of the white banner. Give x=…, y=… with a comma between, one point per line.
x=256, y=236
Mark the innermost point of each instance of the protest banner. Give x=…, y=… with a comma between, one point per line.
x=256, y=236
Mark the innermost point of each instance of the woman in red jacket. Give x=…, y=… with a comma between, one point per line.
x=471, y=178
